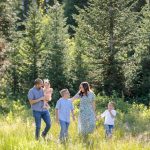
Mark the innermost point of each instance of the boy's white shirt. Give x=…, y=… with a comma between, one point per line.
x=108, y=118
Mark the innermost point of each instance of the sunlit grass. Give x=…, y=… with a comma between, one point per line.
x=17, y=133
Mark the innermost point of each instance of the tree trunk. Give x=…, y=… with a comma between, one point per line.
x=111, y=28
x=25, y=7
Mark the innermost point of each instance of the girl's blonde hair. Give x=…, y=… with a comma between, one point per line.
x=46, y=81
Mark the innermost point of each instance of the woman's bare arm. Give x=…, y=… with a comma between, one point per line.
x=94, y=108
x=75, y=97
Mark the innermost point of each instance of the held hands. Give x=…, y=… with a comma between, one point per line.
x=73, y=118
x=57, y=121
x=98, y=117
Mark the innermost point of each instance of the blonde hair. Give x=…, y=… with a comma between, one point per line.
x=112, y=103
x=46, y=81
x=63, y=91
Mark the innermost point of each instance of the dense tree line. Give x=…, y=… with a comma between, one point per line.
x=106, y=42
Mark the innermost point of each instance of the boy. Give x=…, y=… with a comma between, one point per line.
x=109, y=115
x=63, y=108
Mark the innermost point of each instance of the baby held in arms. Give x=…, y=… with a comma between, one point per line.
x=47, y=93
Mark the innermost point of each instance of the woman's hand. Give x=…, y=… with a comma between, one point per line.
x=73, y=118
x=98, y=117
x=57, y=121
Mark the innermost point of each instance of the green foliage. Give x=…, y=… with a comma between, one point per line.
x=137, y=72
x=8, y=107
x=7, y=19
x=70, y=10
x=103, y=35
x=109, y=48
x=27, y=50
x=40, y=51
x=55, y=58
x=138, y=118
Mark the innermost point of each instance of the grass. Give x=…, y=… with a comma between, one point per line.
x=17, y=133
x=17, y=130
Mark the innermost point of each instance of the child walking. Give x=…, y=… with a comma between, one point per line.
x=64, y=107
x=109, y=116
x=47, y=93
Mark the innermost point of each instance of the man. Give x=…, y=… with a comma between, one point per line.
x=36, y=99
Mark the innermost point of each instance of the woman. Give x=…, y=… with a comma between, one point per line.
x=87, y=109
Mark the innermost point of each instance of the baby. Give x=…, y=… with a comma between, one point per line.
x=47, y=93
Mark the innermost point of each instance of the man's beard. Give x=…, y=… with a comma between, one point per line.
x=39, y=88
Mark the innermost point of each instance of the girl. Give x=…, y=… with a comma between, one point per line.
x=47, y=93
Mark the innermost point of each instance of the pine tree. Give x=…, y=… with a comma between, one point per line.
x=54, y=65
x=3, y=59
x=8, y=21
x=29, y=49
x=104, y=33
x=70, y=10
x=81, y=64
x=138, y=72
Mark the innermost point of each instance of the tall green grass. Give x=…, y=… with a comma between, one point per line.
x=131, y=131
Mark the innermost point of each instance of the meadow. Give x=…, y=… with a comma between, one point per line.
x=131, y=131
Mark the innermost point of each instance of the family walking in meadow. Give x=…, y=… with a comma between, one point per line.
x=41, y=94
